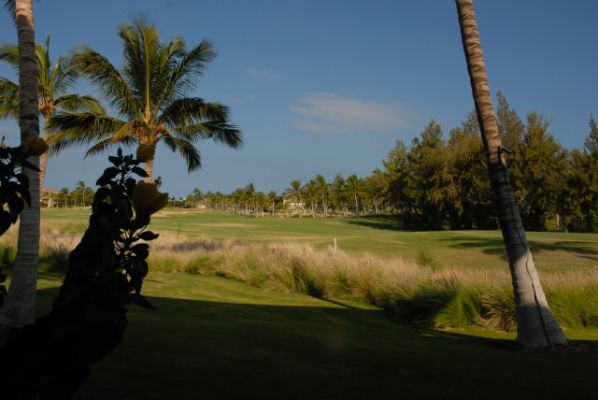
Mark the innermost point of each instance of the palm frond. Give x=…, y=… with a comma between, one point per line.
x=71, y=129
x=185, y=149
x=63, y=74
x=9, y=53
x=108, y=79
x=105, y=144
x=76, y=102
x=183, y=111
x=9, y=99
x=11, y=6
x=193, y=119
x=221, y=132
x=190, y=67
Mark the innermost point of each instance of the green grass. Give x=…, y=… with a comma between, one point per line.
x=217, y=338
x=213, y=338
x=553, y=251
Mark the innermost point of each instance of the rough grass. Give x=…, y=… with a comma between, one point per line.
x=440, y=298
x=425, y=295
x=419, y=287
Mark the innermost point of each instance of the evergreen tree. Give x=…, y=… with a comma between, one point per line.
x=428, y=178
x=543, y=163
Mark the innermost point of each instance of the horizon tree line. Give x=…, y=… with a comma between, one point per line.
x=440, y=182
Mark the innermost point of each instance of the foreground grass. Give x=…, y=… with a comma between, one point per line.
x=214, y=338
x=553, y=251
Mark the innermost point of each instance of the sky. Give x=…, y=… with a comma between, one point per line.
x=329, y=86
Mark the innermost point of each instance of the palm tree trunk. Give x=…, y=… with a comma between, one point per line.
x=149, y=169
x=43, y=163
x=18, y=309
x=536, y=325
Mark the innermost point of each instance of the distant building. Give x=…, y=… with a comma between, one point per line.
x=290, y=202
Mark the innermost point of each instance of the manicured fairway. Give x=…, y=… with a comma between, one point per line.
x=456, y=249
x=213, y=338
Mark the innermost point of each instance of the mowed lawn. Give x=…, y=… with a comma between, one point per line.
x=213, y=338
x=553, y=251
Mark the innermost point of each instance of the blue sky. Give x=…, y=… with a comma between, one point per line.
x=329, y=86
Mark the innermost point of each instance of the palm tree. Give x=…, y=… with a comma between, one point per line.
x=310, y=193
x=54, y=79
x=354, y=187
x=536, y=326
x=149, y=94
x=18, y=308
x=295, y=191
x=323, y=189
x=272, y=198
x=80, y=186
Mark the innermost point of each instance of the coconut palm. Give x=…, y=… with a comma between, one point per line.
x=323, y=189
x=354, y=187
x=536, y=326
x=18, y=308
x=54, y=80
x=149, y=94
x=310, y=193
x=272, y=199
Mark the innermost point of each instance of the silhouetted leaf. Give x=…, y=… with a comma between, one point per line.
x=148, y=235
x=5, y=221
x=140, y=171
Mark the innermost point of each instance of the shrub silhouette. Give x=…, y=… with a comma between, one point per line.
x=51, y=358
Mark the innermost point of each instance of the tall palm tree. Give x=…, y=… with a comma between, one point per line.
x=54, y=79
x=536, y=325
x=149, y=94
x=18, y=308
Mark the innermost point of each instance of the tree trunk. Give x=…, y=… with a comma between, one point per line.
x=149, y=169
x=536, y=326
x=43, y=160
x=18, y=309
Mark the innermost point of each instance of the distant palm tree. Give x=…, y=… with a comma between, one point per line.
x=272, y=198
x=53, y=79
x=323, y=189
x=18, y=308
x=149, y=94
x=295, y=191
x=310, y=191
x=536, y=325
x=354, y=187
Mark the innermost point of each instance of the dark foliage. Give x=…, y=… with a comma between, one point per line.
x=14, y=192
x=50, y=359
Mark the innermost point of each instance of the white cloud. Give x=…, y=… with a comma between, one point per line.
x=333, y=113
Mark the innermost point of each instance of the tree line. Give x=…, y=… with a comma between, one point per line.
x=439, y=182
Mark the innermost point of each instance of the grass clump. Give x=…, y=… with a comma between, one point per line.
x=424, y=295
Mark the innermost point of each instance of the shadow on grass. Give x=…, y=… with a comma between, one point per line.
x=385, y=223
x=585, y=249
x=202, y=349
